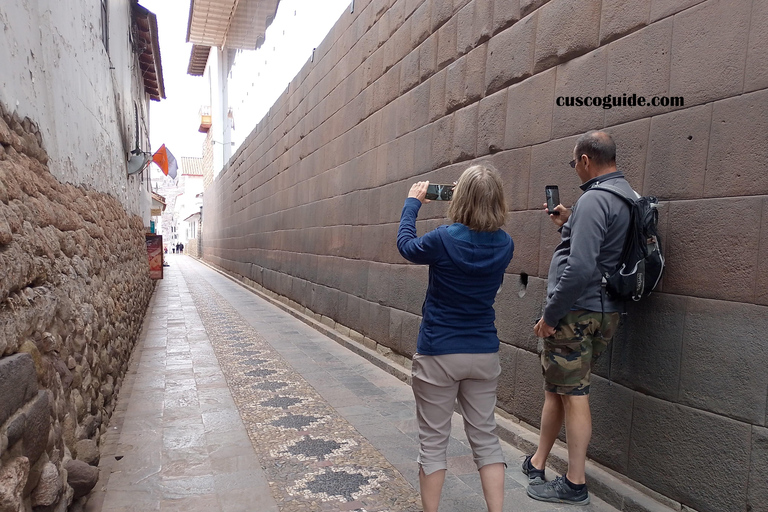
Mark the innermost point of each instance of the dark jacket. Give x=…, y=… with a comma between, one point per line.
x=466, y=269
x=590, y=244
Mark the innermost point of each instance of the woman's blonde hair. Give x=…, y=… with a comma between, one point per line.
x=478, y=199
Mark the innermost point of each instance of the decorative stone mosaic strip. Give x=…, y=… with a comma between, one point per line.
x=314, y=459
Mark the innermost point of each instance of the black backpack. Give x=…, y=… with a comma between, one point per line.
x=641, y=263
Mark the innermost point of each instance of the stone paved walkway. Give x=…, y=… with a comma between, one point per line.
x=231, y=404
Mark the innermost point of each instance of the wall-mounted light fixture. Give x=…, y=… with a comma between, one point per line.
x=352, y=7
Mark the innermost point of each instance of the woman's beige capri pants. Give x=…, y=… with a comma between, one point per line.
x=438, y=381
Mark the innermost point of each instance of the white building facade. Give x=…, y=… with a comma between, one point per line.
x=85, y=72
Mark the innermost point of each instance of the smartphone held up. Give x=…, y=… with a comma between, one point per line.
x=553, y=198
x=437, y=192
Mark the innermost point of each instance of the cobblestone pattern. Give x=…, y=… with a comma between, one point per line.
x=315, y=460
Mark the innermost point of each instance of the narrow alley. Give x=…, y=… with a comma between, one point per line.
x=232, y=404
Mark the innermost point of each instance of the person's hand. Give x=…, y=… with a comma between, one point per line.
x=419, y=191
x=561, y=219
x=542, y=329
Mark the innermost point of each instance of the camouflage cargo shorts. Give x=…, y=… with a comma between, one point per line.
x=580, y=337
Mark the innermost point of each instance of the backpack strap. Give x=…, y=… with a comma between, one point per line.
x=617, y=192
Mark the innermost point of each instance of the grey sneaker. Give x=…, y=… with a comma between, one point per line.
x=558, y=491
x=535, y=476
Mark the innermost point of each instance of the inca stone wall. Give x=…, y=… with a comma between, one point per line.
x=74, y=286
x=419, y=89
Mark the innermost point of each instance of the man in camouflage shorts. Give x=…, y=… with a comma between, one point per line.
x=580, y=337
x=579, y=319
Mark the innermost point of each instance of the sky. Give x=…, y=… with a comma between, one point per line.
x=257, y=77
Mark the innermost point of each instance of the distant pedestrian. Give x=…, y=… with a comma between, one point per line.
x=173, y=249
x=181, y=250
x=579, y=318
x=457, y=350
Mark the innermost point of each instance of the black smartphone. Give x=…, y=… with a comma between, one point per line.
x=437, y=192
x=553, y=198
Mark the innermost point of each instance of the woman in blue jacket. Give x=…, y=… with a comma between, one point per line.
x=457, y=350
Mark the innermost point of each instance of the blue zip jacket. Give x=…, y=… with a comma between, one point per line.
x=466, y=269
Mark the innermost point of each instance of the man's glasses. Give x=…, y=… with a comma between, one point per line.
x=572, y=163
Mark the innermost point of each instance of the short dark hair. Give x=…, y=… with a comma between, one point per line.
x=598, y=146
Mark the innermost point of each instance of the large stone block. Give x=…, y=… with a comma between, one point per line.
x=621, y=17
x=574, y=79
x=465, y=134
x=446, y=43
x=515, y=314
x=416, y=287
x=505, y=391
x=409, y=71
x=409, y=332
x=723, y=356
x=483, y=22
x=677, y=153
x=647, y=352
x=18, y=383
x=403, y=104
x=548, y=240
x=757, y=495
x=528, y=6
x=428, y=57
x=475, y=83
x=631, y=149
x=529, y=391
x=761, y=283
x=441, y=11
x=549, y=166
x=709, y=65
x=566, y=29
x=524, y=228
x=529, y=110
x=738, y=151
x=491, y=118
x=663, y=8
x=422, y=158
x=437, y=95
x=442, y=141
x=379, y=325
x=611, y=406
x=701, y=260
x=455, y=85
x=81, y=477
x=514, y=167
x=420, y=28
x=37, y=426
x=465, y=35
x=639, y=64
x=756, y=76
x=505, y=13
x=419, y=113
x=510, y=55
x=694, y=446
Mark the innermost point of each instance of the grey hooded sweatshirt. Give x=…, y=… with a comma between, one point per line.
x=590, y=244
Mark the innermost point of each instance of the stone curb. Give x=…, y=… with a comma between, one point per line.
x=615, y=489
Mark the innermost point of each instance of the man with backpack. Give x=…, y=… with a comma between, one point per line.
x=580, y=318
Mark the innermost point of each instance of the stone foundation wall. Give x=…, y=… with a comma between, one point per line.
x=74, y=286
x=406, y=90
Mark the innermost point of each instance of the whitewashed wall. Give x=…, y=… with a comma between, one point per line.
x=56, y=71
